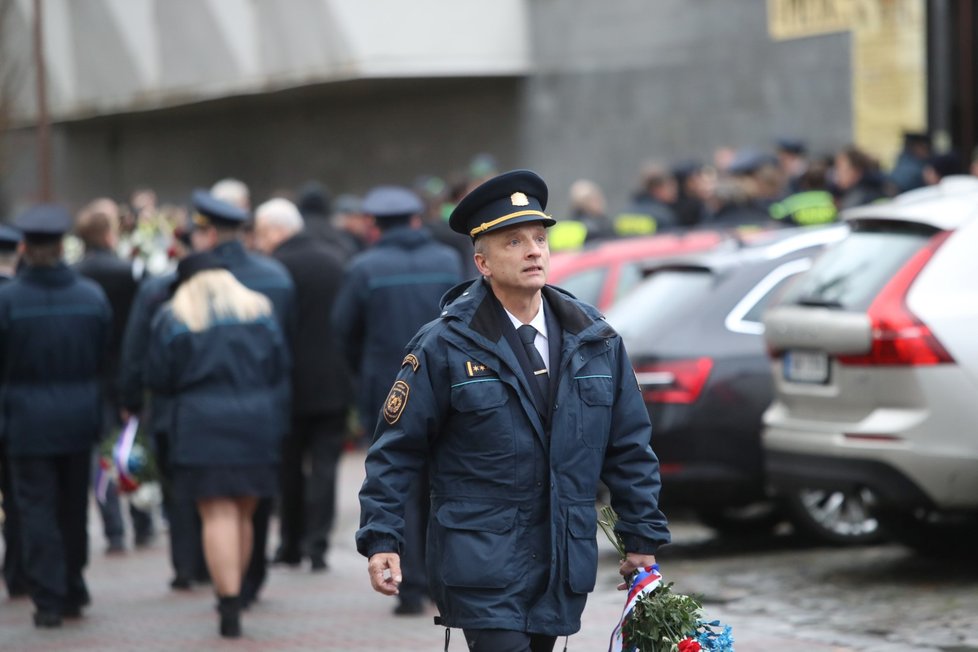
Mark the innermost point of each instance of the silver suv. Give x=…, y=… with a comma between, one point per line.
x=875, y=360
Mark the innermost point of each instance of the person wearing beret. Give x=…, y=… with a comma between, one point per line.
x=14, y=575
x=218, y=352
x=54, y=334
x=388, y=292
x=515, y=403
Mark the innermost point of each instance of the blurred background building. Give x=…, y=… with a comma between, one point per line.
x=178, y=93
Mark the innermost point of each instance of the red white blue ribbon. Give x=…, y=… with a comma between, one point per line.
x=121, y=452
x=645, y=581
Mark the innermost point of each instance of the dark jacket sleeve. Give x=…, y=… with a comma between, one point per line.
x=157, y=372
x=348, y=316
x=397, y=456
x=631, y=469
x=134, y=345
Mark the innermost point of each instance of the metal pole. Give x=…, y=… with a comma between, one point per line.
x=43, y=122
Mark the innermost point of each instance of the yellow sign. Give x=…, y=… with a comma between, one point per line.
x=889, y=61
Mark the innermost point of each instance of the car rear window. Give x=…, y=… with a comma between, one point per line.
x=849, y=275
x=585, y=285
x=658, y=301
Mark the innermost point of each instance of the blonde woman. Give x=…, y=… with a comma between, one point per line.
x=218, y=353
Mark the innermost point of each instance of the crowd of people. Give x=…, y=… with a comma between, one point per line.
x=255, y=343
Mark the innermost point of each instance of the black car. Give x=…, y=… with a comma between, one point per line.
x=694, y=333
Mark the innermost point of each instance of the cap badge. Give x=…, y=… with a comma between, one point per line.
x=519, y=199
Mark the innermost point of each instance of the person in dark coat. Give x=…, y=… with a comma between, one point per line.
x=315, y=208
x=54, y=332
x=97, y=226
x=321, y=385
x=515, y=403
x=857, y=178
x=183, y=522
x=14, y=575
x=218, y=352
x=389, y=291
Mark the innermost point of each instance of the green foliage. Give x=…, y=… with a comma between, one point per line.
x=661, y=619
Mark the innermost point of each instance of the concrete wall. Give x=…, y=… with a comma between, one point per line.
x=350, y=136
x=611, y=84
x=618, y=83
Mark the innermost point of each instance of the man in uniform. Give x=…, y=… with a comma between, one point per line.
x=14, y=575
x=54, y=330
x=519, y=399
x=388, y=293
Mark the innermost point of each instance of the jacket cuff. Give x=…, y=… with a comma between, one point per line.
x=637, y=544
x=381, y=544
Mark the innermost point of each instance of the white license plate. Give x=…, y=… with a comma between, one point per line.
x=806, y=367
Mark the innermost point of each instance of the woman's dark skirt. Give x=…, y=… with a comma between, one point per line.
x=227, y=481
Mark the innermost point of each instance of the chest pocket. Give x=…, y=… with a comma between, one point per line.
x=597, y=395
x=482, y=421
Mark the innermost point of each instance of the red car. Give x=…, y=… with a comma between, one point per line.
x=602, y=274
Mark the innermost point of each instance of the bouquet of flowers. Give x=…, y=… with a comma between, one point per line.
x=657, y=620
x=128, y=461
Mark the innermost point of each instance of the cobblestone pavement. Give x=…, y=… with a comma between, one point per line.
x=777, y=594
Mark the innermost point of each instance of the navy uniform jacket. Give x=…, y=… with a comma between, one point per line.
x=511, y=537
x=388, y=293
x=54, y=333
x=221, y=385
x=255, y=272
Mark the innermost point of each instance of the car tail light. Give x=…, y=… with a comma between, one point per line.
x=899, y=338
x=674, y=381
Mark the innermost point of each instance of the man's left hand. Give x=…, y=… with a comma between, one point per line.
x=633, y=561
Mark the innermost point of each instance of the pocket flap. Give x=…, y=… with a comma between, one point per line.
x=477, y=395
x=582, y=521
x=479, y=517
x=596, y=390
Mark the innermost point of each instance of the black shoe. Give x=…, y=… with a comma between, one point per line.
x=318, y=564
x=115, y=548
x=229, y=609
x=181, y=583
x=409, y=607
x=47, y=619
x=145, y=539
x=71, y=610
x=286, y=556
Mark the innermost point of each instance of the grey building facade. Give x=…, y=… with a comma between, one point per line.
x=571, y=88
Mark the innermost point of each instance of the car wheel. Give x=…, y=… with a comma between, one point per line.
x=747, y=520
x=931, y=534
x=839, y=517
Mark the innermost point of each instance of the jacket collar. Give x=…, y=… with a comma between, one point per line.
x=56, y=275
x=472, y=303
x=404, y=237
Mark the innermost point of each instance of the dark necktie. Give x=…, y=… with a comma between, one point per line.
x=527, y=335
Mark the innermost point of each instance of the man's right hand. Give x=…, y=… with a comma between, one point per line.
x=385, y=572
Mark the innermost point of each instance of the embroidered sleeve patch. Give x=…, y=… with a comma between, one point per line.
x=412, y=360
x=396, y=401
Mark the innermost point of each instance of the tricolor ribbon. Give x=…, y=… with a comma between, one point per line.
x=121, y=452
x=645, y=581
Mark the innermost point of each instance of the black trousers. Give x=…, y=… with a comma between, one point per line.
x=51, y=493
x=501, y=640
x=186, y=544
x=307, y=505
x=14, y=575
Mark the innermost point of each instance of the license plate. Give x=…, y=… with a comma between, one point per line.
x=806, y=367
